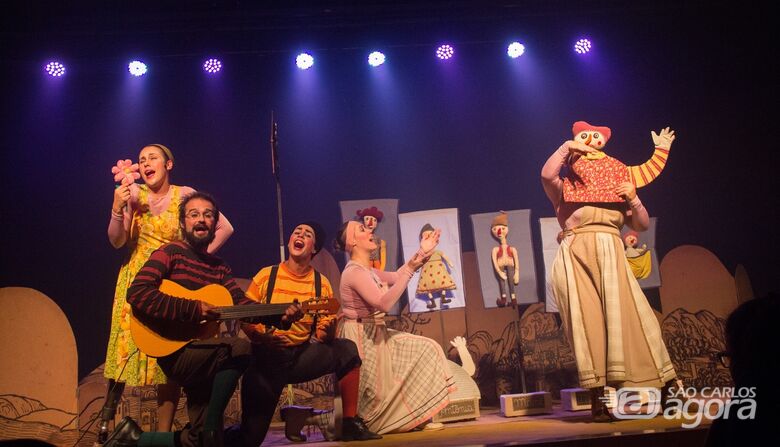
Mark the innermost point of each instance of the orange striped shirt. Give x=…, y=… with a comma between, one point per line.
x=287, y=288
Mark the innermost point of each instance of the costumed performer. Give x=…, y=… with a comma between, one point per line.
x=404, y=379
x=611, y=328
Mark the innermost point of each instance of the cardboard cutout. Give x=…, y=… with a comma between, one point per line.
x=371, y=218
x=517, y=233
x=439, y=285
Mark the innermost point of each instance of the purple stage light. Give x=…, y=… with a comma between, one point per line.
x=212, y=66
x=582, y=46
x=304, y=61
x=376, y=59
x=515, y=50
x=137, y=68
x=55, y=69
x=445, y=52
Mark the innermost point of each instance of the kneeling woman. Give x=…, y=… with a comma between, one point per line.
x=404, y=380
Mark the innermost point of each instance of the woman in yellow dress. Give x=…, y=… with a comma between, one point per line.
x=143, y=218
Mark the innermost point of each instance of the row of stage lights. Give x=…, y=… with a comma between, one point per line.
x=305, y=61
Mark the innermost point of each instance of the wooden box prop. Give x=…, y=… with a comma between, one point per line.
x=525, y=404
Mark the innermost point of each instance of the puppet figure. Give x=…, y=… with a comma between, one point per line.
x=638, y=258
x=371, y=218
x=594, y=176
x=435, y=276
x=505, y=261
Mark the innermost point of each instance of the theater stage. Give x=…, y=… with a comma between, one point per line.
x=562, y=428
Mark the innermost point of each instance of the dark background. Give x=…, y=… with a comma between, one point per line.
x=471, y=133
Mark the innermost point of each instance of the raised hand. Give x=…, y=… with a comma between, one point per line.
x=458, y=342
x=121, y=196
x=663, y=139
x=428, y=245
x=429, y=242
x=467, y=362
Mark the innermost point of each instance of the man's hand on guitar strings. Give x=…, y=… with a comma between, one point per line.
x=208, y=312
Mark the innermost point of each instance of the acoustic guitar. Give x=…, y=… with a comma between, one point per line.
x=158, y=338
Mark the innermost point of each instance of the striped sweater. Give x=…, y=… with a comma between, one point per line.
x=178, y=262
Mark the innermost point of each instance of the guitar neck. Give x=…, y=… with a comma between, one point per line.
x=251, y=310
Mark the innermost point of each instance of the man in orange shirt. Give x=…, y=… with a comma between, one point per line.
x=307, y=350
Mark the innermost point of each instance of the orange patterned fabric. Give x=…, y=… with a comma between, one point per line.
x=594, y=181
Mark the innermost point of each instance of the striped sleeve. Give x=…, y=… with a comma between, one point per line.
x=145, y=297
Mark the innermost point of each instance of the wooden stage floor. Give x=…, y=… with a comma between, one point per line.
x=560, y=428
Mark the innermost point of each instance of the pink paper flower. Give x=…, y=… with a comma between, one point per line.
x=125, y=172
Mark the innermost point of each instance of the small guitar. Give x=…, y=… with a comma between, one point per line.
x=158, y=338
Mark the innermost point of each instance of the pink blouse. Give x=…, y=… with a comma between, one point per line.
x=362, y=292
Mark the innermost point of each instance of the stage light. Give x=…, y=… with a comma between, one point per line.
x=582, y=46
x=304, y=61
x=55, y=69
x=445, y=52
x=515, y=50
x=212, y=66
x=376, y=59
x=137, y=68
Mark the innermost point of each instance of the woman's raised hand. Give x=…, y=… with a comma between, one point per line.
x=121, y=196
x=429, y=242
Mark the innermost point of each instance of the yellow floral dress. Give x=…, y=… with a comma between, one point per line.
x=148, y=232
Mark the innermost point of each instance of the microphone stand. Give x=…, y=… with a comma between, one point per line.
x=275, y=170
